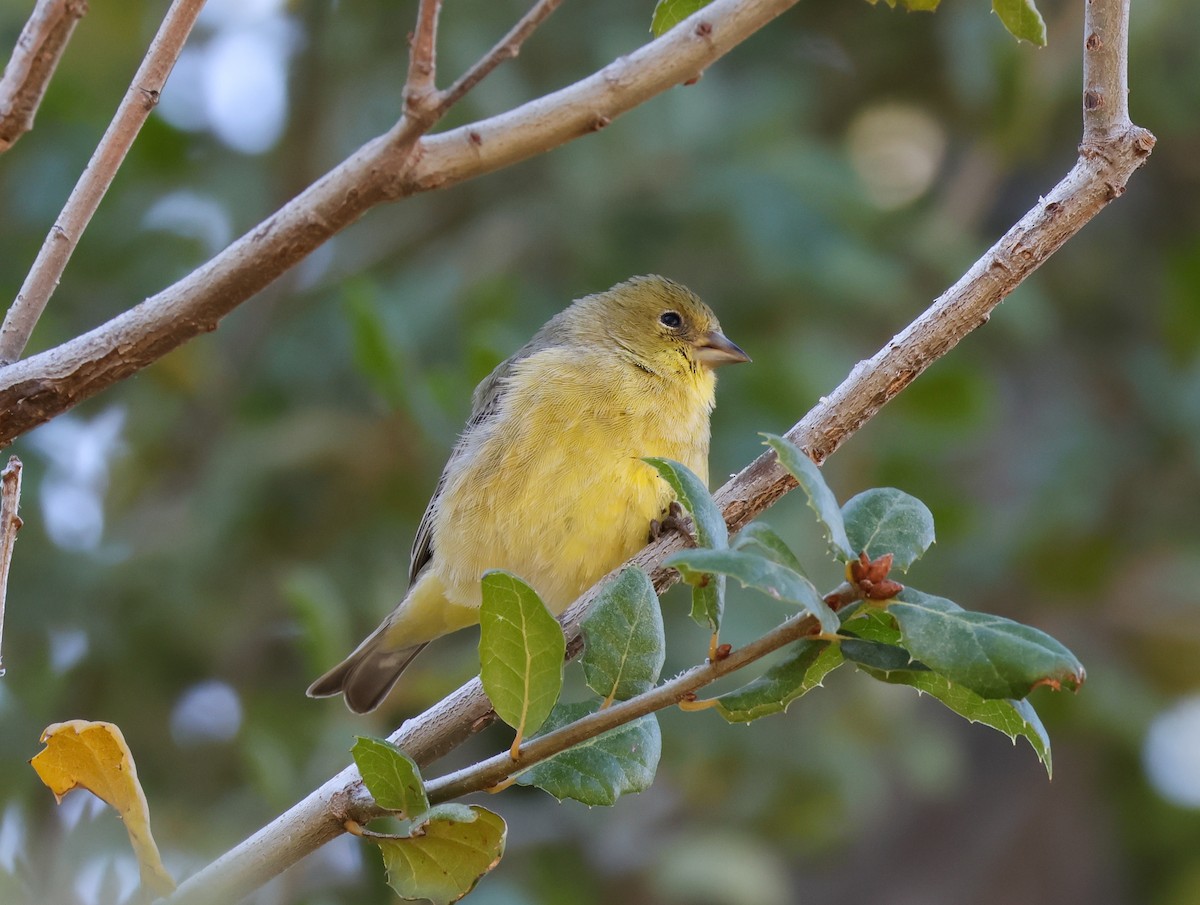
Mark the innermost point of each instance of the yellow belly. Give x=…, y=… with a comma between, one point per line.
x=555, y=491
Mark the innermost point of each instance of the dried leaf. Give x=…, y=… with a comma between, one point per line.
x=94, y=756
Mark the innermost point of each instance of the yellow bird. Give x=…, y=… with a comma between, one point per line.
x=546, y=480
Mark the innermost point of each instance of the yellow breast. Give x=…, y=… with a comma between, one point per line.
x=553, y=488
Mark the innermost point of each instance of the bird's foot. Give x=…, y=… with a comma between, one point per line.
x=676, y=520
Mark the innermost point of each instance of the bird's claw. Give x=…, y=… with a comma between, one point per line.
x=676, y=520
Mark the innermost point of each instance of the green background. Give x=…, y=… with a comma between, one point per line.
x=266, y=480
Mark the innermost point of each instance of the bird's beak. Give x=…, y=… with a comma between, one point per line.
x=715, y=348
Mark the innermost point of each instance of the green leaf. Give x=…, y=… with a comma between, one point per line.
x=601, y=769
x=445, y=855
x=774, y=690
x=993, y=656
x=708, y=594
x=1022, y=19
x=820, y=498
x=765, y=538
x=886, y=520
x=1016, y=719
x=624, y=646
x=695, y=498
x=876, y=655
x=872, y=624
x=391, y=776
x=758, y=573
x=669, y=13
x=708, y=603
x=521, y=651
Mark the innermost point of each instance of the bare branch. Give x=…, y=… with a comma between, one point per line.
x=506, y=48
x=1105, y=70
x=34, y=59
x=10, y=524
x=385, y=169
x=139, y=100
x=420, y=87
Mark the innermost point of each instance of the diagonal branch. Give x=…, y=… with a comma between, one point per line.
x=34, y=59
x=506, y=48
x=135, y=107
x=37, y=388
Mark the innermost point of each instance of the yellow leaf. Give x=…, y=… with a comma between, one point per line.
x=94, y=756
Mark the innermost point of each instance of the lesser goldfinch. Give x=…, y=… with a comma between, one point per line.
x=547, y=479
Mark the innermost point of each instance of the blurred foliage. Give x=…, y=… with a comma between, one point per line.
x=818, y=187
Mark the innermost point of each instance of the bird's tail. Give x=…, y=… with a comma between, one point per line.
x=367, y=675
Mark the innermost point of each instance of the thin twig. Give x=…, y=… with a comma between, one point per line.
x=135, y=107
x=1105, y=71
x=10, y=524
x=507, y=48
x=499, y=768
x=32, y=65
x=38, y=388
x=420, y=87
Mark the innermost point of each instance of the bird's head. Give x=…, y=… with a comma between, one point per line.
x=661, y=326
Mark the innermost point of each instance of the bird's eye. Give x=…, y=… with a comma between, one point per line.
x=670, y=319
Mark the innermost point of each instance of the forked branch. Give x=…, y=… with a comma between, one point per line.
x=385, y=169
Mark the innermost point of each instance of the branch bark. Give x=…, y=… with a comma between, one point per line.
x=387, y=168
x=85, y=198
x=34, y=59
x=420, y=86
x=10, y=524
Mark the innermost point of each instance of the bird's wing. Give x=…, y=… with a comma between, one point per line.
x=486, y=402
